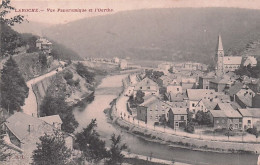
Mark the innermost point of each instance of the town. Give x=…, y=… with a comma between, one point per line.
x=150, y=92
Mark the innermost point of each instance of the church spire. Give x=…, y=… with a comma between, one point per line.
x=219, y=46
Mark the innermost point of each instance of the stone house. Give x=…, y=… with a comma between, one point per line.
x=218, y=119
x=251, y=117
x=24, y=131
x=204, y=81
x=148, y=86
x=177, y=117
x=234, y=117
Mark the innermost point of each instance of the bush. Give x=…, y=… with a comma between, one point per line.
x=252, y=130
x=189, y=128
x=68, y=75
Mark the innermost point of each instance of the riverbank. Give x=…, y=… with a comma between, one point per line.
x=196, y=144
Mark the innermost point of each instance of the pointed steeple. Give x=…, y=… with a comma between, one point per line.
x=219, y=46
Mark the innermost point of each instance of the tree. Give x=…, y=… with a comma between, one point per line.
x=90, y=144
x=189, y=127
x=51, y=150
x=139, y=97
x=9, y=38
x=202, y=118
x=3, y=149
x=57, y=106
x=5, y=9
x=170, y=70
x=115, y=155
x=43, y=59
x=85, y=73
x=13, y=87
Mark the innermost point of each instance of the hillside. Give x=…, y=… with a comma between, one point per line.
x=160, y=34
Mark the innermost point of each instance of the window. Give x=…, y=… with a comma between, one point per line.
x=193, y=105
x=249, y=121
x=236, y=125
x=217, y=121
x=182, y=117
x=140, y=87
x=178, y=89
x=240, y=125
x=240, y=119
x=148, y=87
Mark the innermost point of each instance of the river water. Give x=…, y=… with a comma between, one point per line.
x=108, y=90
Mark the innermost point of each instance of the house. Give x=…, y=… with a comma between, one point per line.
x=234, y=117
x=188, y=83
x=244, y=97
x=204, y=81
x=165, y=80
x=195, y=95
x=44, y=45
x=177, y=117
x=234, y=89
x=148, y=86
x=116, y=60
x=219, y=85
x=250, y=60
x=218, y=118
x=24, y=130
x=142, y=108
x=153, y=111
x=174, y=87
x=54, y=120
x=123, y=64
x=251, y=117
x=205, y=105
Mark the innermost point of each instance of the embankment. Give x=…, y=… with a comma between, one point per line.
x=182, y=141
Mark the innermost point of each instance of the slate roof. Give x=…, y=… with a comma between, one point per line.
x=250, y=112
x=235, y=88
x=148, y=100
x=218, y=113
x=198, y=94
x=179, y=111
x=145, y=84
x=52, y=119
x=232, y=60
x=19, y=123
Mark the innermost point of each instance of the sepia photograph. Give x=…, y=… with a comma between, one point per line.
x=129, y=82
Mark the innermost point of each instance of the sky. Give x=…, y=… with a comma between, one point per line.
x=58, y=17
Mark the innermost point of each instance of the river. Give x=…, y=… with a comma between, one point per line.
x=108, y=90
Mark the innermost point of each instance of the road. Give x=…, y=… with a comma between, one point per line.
x=30, y=106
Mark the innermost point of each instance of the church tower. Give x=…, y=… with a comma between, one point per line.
x=220, y=57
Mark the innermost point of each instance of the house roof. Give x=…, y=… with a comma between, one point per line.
x=210, y=105
x=148, y=100
x=179, y=111
x=52, y=119
x=235, y=88
x=198, y=94
x=145, y=83
x=232, y=60
x=225, y=106
x=250, y=112
x=218, y=113
x=245, y=97
x=19, y=123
